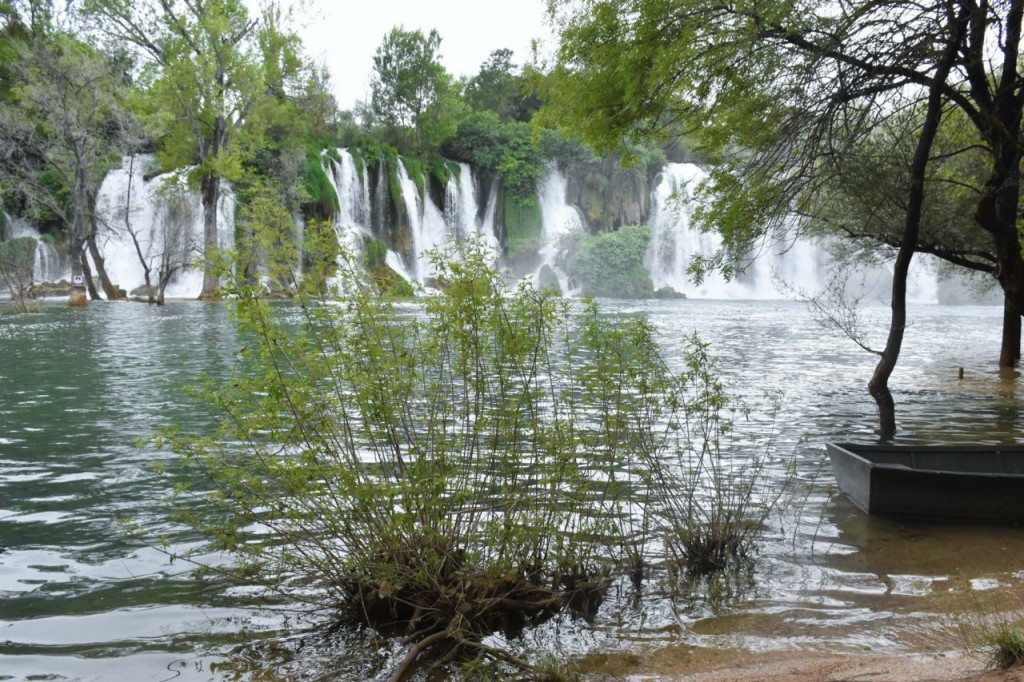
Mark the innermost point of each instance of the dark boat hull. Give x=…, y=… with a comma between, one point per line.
x=948, y=484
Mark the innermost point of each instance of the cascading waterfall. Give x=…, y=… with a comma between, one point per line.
x=352, y=222
x=426, y=223
x=355, y=218
x=165, y=217
x=800, y=265
x=461, y=205
x=558, y=219
x=46, y=265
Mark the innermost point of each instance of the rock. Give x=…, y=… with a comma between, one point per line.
x=547, y=279
x=668, y=293
x=77, y=298
x=50, y=289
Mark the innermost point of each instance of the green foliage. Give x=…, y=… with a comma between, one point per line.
x=317, y=185
x=412, y=90
x=268, y=240
x=17, y=260
x=505, y=151
x=498, y=89
x=494, y=457
x=320, y=252
x=611, y=264
x=375, y=252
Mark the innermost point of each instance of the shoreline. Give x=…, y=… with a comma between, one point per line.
x=734, y=665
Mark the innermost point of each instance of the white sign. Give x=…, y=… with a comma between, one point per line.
x=77, y=280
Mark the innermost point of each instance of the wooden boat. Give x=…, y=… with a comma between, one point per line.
x=945, y=483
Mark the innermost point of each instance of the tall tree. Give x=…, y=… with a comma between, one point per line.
x=61, y=130
x=501, y=88
x=775, y=90
x=409, y=85
x=205, y=73
x=792, y=84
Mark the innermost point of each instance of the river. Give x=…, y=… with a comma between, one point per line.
x=80, y=390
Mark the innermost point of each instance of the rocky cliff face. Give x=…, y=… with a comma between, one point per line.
x=609, y=195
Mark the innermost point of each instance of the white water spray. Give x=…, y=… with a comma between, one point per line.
x=165, y=216
x=558, y=219
x=800, y=265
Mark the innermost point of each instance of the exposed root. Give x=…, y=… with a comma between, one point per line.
x=447, y=616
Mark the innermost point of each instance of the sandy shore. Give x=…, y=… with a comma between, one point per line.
x=684, y=663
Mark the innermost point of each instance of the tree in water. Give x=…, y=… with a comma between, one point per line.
x=60, y=127
x=206, y=67
x=791, y=87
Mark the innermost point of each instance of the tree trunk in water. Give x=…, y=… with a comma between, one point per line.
x=1009, y=354
x=211, y=195
x=997, y=209
x=77, y=296
x=109, y=289
x=879, y=384
x=87, y=275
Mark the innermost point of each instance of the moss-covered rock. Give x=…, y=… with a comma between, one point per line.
x=668, y=293
x=522, y=222
x=548, y=279
x=389, y=283
x=611, y=264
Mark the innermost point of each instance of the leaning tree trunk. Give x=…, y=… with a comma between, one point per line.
x=109, y=289
x=879, y=384
x=90, y=283
x=89, y=202
x=79, y=274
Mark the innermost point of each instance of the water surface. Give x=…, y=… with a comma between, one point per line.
x=80, y=600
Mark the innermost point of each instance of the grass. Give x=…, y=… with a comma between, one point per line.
x=992, y=633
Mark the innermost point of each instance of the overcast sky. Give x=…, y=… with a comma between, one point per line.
x=344, y=34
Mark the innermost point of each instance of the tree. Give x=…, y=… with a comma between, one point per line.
x=16, y=263
x=408, y=80
x=791, y=85
x=62, y=129
x=772, y=91
x=860, y=210
x=204, y=75
x=498, y=88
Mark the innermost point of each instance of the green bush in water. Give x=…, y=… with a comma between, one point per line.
x=611, y=264
x=494, y=459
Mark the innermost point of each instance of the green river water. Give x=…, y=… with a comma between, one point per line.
x=80, y=600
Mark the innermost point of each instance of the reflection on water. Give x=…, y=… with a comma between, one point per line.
x=79, y=600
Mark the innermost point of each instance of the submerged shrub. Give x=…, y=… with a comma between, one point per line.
x=472, y=467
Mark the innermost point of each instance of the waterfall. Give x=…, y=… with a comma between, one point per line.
x=487, y=226
x=351, y=222
x=558, y=219
x=355, y=218
x=161, y=217
x=460, y=201
x=362, y=213
x=426, y=223
x=47, y=265
x=800, y=264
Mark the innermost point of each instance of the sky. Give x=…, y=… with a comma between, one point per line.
x=344, y=34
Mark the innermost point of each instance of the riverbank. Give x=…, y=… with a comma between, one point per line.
x=731, y=665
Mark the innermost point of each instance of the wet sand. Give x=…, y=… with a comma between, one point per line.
x=685, y=663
